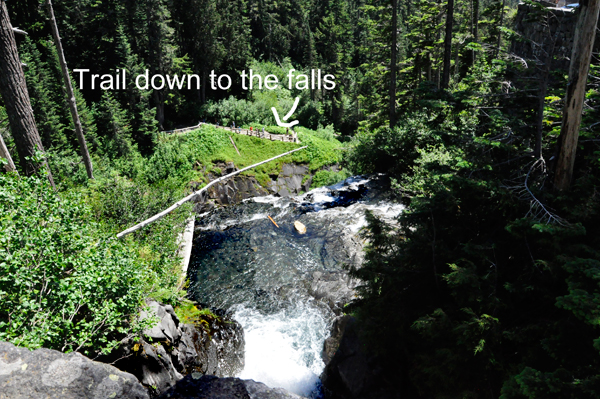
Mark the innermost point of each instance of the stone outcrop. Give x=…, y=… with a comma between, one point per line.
x=335, y=288
x=352, y=372
x=46, y=373
x=197, y=386
x=172, y=349
x=290, y=181
x=231, y=191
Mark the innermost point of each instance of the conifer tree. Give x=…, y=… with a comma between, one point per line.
x=13, y=90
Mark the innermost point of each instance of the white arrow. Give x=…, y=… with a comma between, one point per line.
x=285, y=118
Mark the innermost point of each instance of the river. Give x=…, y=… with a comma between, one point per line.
x=283, y=287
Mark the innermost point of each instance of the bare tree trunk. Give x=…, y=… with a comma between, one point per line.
x=10, y=166
x=159, y=100
x=70, y=95
x=203, y=87
x=16, y=99
x=475, y=27
x=393, y=63
x=448, y=45
x=499, y=28
x=476, y=20
x=585, y=33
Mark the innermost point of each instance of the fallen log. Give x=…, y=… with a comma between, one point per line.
x=176, y=205
x=271, y=219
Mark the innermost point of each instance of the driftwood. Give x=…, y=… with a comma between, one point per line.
x=271, y=219
x=234, y=146
x=176, y=205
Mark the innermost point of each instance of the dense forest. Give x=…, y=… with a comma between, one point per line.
x=487, y=285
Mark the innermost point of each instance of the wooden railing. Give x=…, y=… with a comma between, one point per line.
x=261, y=134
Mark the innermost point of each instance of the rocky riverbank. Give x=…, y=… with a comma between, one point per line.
x=292, y=180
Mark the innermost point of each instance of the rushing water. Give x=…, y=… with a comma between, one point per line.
x=267, y=276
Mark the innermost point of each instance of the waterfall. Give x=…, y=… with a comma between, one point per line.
x=283, y=287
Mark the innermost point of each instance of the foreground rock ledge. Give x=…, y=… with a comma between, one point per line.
x=197, y=386
x=46, y=373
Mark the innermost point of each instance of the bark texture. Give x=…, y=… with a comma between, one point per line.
x=585, y=33
x=16, y=98
x=393, y=63
x=448, y=45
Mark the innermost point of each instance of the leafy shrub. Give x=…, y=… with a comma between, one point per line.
x=168, y=160
x=62, y=284
x=328, y=178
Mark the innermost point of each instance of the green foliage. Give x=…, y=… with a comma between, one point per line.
x=471, y=293
x=63, y=285
x=175, y=156
x=328, y=178
x=188, y=313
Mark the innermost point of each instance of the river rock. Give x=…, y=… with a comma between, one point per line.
x=197, y=386
x=300, y=227
x=171, y=349
x=46, y=373
x=332, y=343
x=335, y=288
x=353, y=371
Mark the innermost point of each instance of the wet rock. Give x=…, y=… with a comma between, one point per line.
x=234, y=190
x=289, y=181
x=258, y=390
x=196, y=386
x=332, y=343
x=171, y=349
x=46, y=373
x=336, y=289
x=307, y=183
x=300, y=170
x=348, y=375
x=354, y=372
x=284, y=192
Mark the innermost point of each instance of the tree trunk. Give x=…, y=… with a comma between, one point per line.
x=159, y=100
x=16, y=99
x=476, y=20
x=585, y=33
x=448, y=45
x=70, y=95
x=393, y=63
x=203, y=101
x=10, y=166
x=475, y=28
x=499, y=28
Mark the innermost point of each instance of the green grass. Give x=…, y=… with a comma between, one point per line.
x=177, y=155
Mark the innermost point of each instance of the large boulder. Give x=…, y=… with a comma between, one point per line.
x=197, y=386
x=46, y=373
x=352, y=372
x=170, y=349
